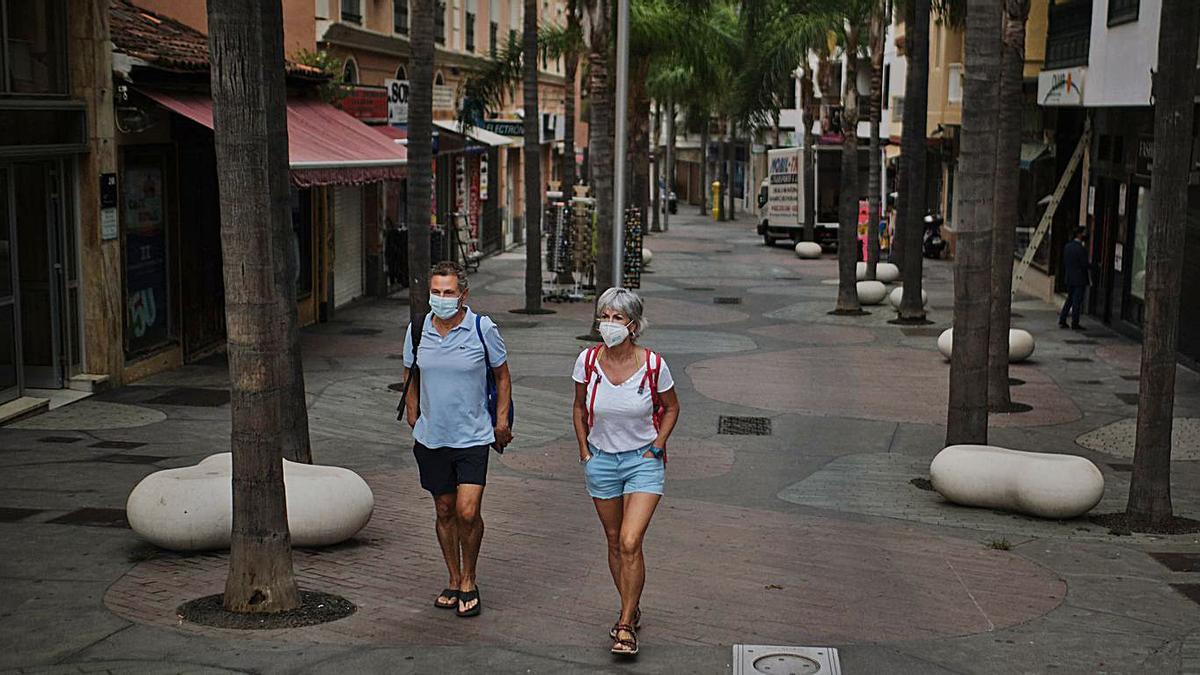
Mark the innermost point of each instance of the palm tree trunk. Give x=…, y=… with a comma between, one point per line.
x=638, y=122
x=600, y=137
x=670, y=179
x=1150, y=488
x=266, y=380
x=878, y=32
x=533, y=164
x=847, y=300
x=705, y=188
x=420, y=155
x=807, y=116
x=655, y=193
x=722, y=176
x=570, y=67
x=967, y=416
x=732, y=170
x=911, y=213
x=1007, y=186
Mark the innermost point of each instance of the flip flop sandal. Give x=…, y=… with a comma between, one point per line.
x=465, y=597
x=448, y=593
x=637, y=623
x=623, y=647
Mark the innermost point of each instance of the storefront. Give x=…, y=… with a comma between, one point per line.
x=42, y=138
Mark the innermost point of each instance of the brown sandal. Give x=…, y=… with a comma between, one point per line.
x=622, y=646
x=637, y=623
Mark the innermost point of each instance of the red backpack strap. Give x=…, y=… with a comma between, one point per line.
x=590, y=369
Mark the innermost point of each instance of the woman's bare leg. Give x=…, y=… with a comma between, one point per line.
x=638, y=510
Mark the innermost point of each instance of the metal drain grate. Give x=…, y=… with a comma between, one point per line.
x=789, y=278
x=12, y=514
x=699, y=288
x=1131, y=378
x=116, y=445
x=744, y=426
x=1178, y=562
x=922, y=332
x=1120, y=467
x=1090, y=383
x=193, y=396
x=93, y=517
x=1081, y=342
x=130, y=459
x=775, y=660
x=1127, y=399
x=518, y=325
x=727, y=300
x=1015, y=382
x=1076, y=359
x=59, y=439
x=362, y=331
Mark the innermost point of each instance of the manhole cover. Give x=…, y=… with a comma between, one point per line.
x=130, y=459
x=1127, y=399
x=752, y=659
x=744, y=426
x=193, y=396
x=727, y=301
x=116, y=445
x=93, y=517
x=1178, y=562
x=362, y=331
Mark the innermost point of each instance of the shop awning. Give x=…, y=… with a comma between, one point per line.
x=477, y=134
x=325, y=145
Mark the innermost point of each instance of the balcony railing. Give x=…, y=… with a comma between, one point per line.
x=1068, y=37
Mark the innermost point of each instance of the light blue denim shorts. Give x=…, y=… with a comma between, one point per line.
x=612, y=474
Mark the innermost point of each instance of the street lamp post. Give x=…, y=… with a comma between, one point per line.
x=622, y=102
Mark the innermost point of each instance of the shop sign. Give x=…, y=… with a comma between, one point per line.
x=366, y=103
x=1121, y=201
x=1145, y=154
x=505, y=127
x=108, y=207
x=483, y=177
x=1119, y=256
x=397, y=102
x=1091, y=209
x=1061, y=87
x=443, y=97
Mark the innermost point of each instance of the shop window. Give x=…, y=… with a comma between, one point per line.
x=1068, y=36
x=302, y=215
x=1122, y=11
x=493, y=30
x=887, y=84
x=352, y=11
x=439, y=23
x=401, y=74
x=33, y=47
x=144, y=220
x=400, y=16
x=470, y=31
x=1137, y=266
x=350, y=72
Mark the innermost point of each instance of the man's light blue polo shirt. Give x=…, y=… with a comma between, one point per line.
x=454, y=382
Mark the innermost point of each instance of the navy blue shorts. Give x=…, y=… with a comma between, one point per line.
x=444, y=469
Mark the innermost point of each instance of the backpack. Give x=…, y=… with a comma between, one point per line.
x=591, y=375
x=414, y=373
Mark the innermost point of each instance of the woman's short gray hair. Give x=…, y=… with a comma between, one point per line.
x=626, y=302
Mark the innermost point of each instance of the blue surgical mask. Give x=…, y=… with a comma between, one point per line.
x=443, y=308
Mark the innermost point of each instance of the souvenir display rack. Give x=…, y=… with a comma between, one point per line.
x=632, y=276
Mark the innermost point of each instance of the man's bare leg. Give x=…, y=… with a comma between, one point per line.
x=448, y=539
x=470, y=536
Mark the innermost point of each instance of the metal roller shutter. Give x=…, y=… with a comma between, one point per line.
x=347, y=242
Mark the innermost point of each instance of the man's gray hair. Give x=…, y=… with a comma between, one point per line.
x=449, y=268
x=626, y=302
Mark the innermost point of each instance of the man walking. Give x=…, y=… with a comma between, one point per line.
x=1077, y=270
x=452, y=427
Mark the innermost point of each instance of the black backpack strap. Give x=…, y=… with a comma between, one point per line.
x=487, y=358
x=416, y=328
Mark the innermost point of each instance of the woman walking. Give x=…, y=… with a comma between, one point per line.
x=625, y=409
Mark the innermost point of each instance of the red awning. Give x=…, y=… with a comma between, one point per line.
x=325, y=145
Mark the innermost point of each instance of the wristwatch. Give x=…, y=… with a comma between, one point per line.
x=657, y=451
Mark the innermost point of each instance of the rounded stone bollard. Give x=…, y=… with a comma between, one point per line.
x=860, y=271
x=871, y=292
x=1032, y=483
x=897, y=295
x=808, y=250
x=887, y=273
x=191, y=508
x=647, y=256
x=1020, y=344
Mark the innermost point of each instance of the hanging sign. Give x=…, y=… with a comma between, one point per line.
x=108, y=207
x=483, y=177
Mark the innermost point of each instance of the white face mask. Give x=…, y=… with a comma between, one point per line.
x=614, y=334
x=443, y=308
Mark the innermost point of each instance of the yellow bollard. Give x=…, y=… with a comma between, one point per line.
x=716, y=199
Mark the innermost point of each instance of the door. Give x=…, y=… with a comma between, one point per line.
x=36, y=194
x=347, y=245
x=10, y=346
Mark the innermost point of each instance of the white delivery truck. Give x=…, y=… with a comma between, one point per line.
x=784, y=195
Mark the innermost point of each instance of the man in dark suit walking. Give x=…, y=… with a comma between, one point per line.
x=1077, y=270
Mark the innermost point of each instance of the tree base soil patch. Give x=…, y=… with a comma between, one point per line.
x=315, y=608
x=1118, y=523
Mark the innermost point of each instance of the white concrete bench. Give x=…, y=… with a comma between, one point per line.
x=191, y=508
x=1020, y=344
x=1032, y=483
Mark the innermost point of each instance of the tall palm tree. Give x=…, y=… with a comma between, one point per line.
x=1150, y=488
x=266, y=380
x=1007, y=186
x=880, y=18
x=847, y=298
x=570, y=56
x=599, y=14
x=420, y=153
x=913, y=161
x=967, y=416
x=533, y=165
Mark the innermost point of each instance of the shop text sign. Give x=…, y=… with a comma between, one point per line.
x=1061, y=87
x=397, y=102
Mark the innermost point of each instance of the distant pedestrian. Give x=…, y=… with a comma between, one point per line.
x=452, y=426
x=1077, y=271
x=625, y=410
